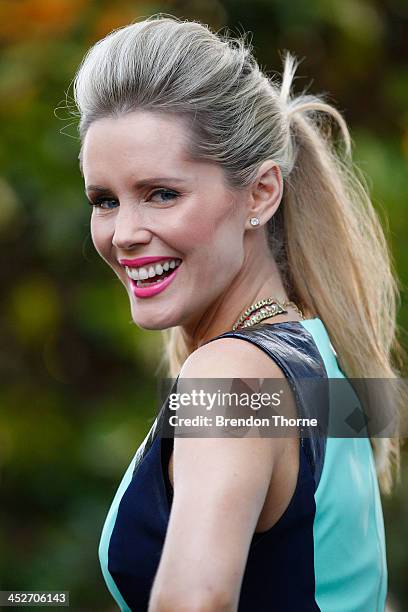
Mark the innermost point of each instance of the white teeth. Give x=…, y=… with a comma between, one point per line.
x=133, y=273
x=143, y=273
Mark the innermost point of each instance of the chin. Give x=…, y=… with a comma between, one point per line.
x=151, y=323
x=151, y=326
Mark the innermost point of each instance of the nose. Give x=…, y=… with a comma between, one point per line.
x=129, y=230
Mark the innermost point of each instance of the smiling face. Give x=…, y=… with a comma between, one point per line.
x=152, y=201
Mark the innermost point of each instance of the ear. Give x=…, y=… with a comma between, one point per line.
x=266, y=192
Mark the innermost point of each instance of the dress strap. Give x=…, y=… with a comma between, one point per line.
x=294, y=350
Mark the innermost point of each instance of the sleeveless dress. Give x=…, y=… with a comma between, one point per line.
x=326, y=552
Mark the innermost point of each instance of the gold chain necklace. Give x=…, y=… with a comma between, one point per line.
x=264, y=309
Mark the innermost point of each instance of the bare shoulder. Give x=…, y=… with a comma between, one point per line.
x=263, y=469
x=230, y=357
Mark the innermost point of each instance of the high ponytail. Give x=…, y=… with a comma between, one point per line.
x=326, y=237
x=337, y=255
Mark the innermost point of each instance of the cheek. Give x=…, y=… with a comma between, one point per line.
x=212, y=237
x=101, y=237
x=210, y=222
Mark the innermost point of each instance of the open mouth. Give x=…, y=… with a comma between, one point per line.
x=153, y=281
x=153, y=274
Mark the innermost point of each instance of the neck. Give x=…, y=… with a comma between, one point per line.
x=260, y=280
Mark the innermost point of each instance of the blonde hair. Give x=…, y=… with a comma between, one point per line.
x=325, y=236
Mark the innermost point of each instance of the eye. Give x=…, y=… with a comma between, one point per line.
x=166, y=194
x=99, y=203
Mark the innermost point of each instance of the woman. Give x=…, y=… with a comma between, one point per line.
x=236, y=227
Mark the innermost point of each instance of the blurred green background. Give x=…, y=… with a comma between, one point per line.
x=78, y=379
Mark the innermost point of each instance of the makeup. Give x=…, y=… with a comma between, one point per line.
x=152, y=288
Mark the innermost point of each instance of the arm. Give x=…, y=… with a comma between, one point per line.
x=220, y=485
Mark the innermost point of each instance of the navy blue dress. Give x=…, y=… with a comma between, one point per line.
x=326, y=552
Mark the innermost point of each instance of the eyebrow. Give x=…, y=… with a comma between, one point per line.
x=139, y=184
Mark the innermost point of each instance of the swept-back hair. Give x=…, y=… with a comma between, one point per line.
x=326, y=236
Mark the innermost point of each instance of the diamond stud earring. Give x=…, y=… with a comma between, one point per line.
x=254, y=221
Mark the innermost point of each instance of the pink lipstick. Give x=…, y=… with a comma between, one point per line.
x=145, y=292
x=149, y=287
x=141, y=261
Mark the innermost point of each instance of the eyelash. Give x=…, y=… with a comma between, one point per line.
x=97, y=203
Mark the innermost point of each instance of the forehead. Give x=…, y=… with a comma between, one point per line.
x=139, y=137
